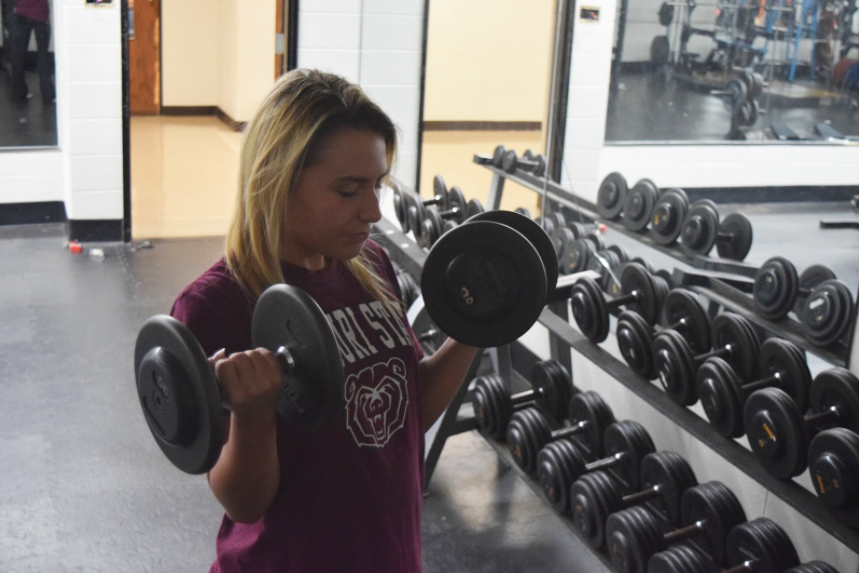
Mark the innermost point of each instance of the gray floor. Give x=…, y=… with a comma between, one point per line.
x=84, y=486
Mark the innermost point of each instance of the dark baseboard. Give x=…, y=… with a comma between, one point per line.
x=238, y=126
x=482, y=126
x=797, y=194
x=29, y=213
x=95, y=230
x=186, y=110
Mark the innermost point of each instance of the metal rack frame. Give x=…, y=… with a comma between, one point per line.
x=512, y=362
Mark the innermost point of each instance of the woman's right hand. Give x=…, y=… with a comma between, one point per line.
x=249, y=381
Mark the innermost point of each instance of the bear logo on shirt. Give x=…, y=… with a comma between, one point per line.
x=376, y=402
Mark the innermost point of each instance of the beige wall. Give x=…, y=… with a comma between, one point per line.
x=190, y=30
x=489, y=60
x=216, y=54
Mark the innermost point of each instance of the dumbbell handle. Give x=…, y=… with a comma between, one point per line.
x=717, y=352
x=745, y=567
x=577, y=428
x=434, y=201
x=449, y=213
x=623, y=299
x=767, y=382
x=606, y=463
x=523, y=398
x=685, y=533
x=641, y=496
x=287, y=366
x=830, y=415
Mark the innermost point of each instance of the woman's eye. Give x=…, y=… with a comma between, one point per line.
x=347, y=193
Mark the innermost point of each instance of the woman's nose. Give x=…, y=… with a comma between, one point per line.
x=371, y=211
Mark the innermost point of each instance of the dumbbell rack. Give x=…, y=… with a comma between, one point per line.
x=724, y=283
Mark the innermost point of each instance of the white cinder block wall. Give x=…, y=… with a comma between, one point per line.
x=587, y=159
x=377, y=44
x=86, y=171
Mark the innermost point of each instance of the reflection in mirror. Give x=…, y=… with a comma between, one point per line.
x=748, y=70
x=27, y=97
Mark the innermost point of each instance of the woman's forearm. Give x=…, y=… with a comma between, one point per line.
x=441, y=375
x=246, y=477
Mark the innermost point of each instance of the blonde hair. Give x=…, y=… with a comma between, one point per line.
x=302, y=108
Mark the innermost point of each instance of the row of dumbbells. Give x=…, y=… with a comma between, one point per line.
x=429, y=219
x=823, y=304
x=763, y=390
x=509, y=161
x=623, y=494
x=667, y=217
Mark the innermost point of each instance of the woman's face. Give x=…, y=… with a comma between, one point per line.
x=336, y=199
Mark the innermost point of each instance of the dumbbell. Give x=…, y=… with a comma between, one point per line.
x=551, y=390
x=833, y=458
x=778, y=432
x=561, y=463
x=528, y=431
x=605, y=262
x=498, y=156
x=683, y=313
x=486, y=282
x=640, y=290
x=709, y=512
x=408, y=206
x=511, y=162
x=638, y=205
x=408, y=287
x=434, y=223
x=453, y=206
x=757, y=546
x=676, y=363
x=723, y=393
x=778, y=289
x=575, y=252
x=595, y=496
x=701, y=229
x=611, y=196
x=668, y=215
x=180, y=396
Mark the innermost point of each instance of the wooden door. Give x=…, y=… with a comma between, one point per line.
x=144, y=56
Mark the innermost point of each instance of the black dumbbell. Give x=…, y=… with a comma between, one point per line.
x=498, y=156
x=408, y=287
x=701, y=229
x=640, y=290
x=595, y=496
x=411, y=207
x=757, y=546
x=778, y=432
x=180, y=396
x=723, y=393
x=833, y=459
x=511, y=162
x=474, y=291
x=552, y=221
x=529, y=431
x=638, y=205
x=828, y=313
x=606, y=262
x=813, y=567
x=668, y=215
x=561, y=463
x=683, y=313
x=611, y=195
x=551, y=390
x=709, y=512
x=676, y=363
x=778, y=289
x=575, y=253
x=473, y=207
x=434, y=223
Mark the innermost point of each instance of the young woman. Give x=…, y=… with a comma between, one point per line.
x=348, y=498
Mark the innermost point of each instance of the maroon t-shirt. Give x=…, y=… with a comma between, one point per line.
x=350, y=496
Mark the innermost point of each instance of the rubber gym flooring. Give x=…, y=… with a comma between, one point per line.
x=85, y=488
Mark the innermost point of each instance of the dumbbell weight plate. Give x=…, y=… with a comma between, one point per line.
x=673, y=475
x=535, y=234
x=484, y=283
x=634, y=278
x=838, y=388
x=638, y=205
x=526, y=432
x=643, y=262
x=473, y=208
x=808, y=280
x=287, y=316
x=415, y=215
x=557, y=219
x=575, y=255
x=635, y=340
x=439, y=189
x=763, y=543
x=718, y=508
x=622, y=254
x=552, y=388
x=813, y=567
x=498, y=156
x=731, y=329
x=432, y=227
x=524, y=212
x=777, y=432
x=698, y=232
x=775, y=288
x=578, y=229
x=682, y=305
x=665, y=275
x=590, y=408
x=557, y=464
x=491, y=405
x=449, y=226
x=834, y=466
x=668, y=215
x=508, y=162
x=828, y=313
x=590, y=309
x=547, y=225
x=678, y=559
x=740, y=228
x=540, y=169
x=561, y=238
x=673, y=363
x=179, y=394
x=777, y=355
x=611, y=196
x=456, y=199
x=401, y=207
x=596, y=240
x=630, y=440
